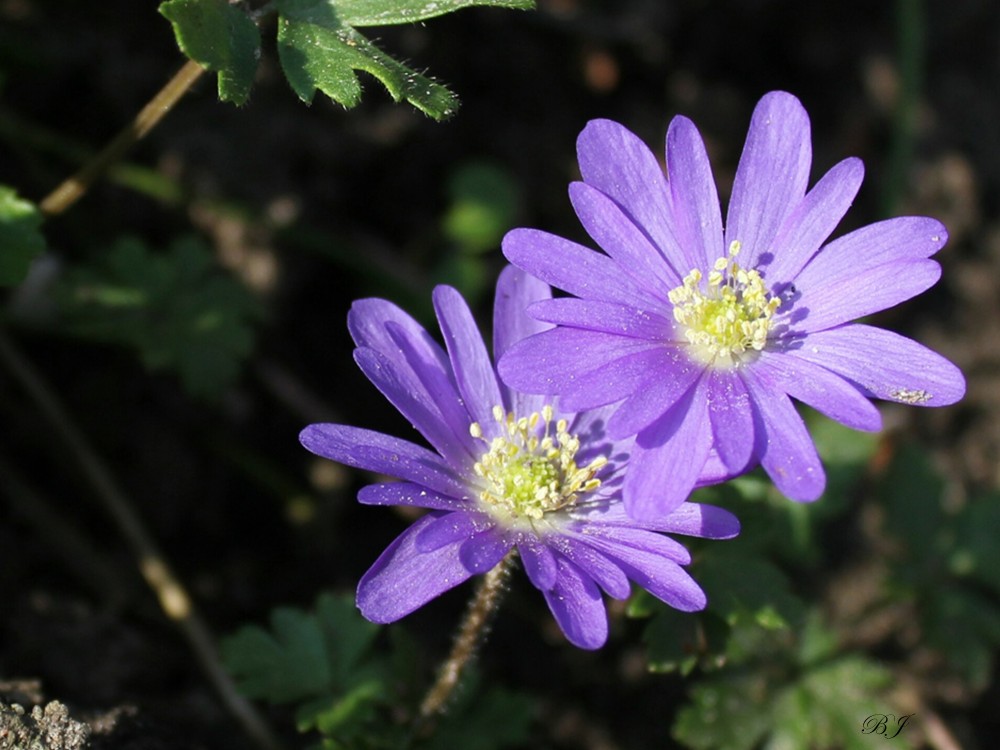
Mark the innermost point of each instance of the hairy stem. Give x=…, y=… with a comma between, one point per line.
x=470, y=635
x=73, y=188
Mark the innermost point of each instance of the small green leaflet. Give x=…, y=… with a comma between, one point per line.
x=177, y=309
x=220, y=37
x=20, y=238
x=318, y=45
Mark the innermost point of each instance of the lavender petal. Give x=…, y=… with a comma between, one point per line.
x=403, y=579
x=772, y=175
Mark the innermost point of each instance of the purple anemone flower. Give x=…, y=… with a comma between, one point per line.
x=508, y=470
x=702, y=333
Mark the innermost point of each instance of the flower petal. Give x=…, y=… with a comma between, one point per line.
x=786, y=451
x=451, y=528
x=615, y=161
x=442, y=392
x=403, y=579
x=573, y=268
x=539, y=563
x=821, y=389
x=548, y=362
x=511, y=323
x=732, y=419
x=885, y=365
x=408, y=494
x=576, y=603
x=674, y=376
x=668, y=457
x=413, y=403
x=692, y=519
x=812, y=222
x=660, y=576
x=698, y=519
x=902, y=238
x=382, y=454
x=613, y=381
x=698, y=219
x=484, y=551
x=605, y=573
x=474, y=373
x=368, y=321
x=609, y=540
x=621, y=238
x=772, y=174
x=830, y=301
x=610, y=317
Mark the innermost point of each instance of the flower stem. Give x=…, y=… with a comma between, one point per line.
x=74, y=187
x=470, y=635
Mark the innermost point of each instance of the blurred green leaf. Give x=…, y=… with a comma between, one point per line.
x=964, y=626
x=221, y=37
x=911, y=490
x=976, y=553
x=21, y=240
x=746, y=588
x=177, y=309
x=790, y=696
x=483, y=204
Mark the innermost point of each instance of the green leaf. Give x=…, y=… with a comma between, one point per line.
x=744, y=587
x=176, y=309
x=20, y=238
x=727, y=713
x=220, y=37
x=822, y=707
x=483, y=203
x=304, y=655
x=387, y=12
x=319, y=50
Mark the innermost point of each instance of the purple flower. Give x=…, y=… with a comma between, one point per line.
x=508, y=470
x=702, y=334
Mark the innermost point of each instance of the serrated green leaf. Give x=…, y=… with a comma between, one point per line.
x=176, y=309
x=347, y=635
x=827, y=707
x=321, y=51
x=726, y=713
x=21, y=240
x=743, y=586
x=823, y=707
x=221, y=37
x=284, y=665
x=305, y=656
x=388, y=12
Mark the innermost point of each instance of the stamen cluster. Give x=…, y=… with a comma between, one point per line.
x=527, y=472
x=731, y=317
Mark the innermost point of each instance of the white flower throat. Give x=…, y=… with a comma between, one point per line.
x=729, y=317
x=526, y=474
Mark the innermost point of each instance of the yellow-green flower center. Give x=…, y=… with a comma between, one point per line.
x=729, y=316
x=528, y=472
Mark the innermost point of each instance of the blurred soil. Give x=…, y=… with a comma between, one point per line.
x=248, y=518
